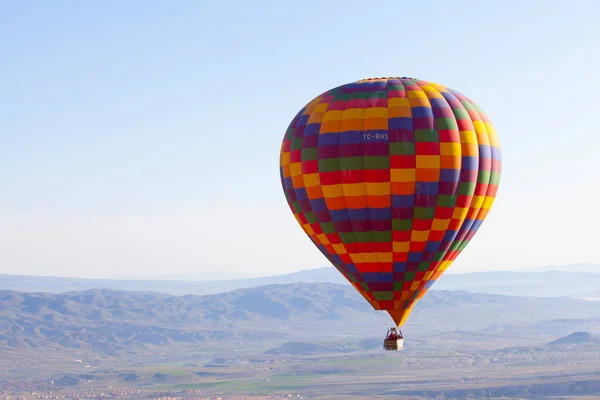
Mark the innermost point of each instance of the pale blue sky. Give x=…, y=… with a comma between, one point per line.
x=141, y=138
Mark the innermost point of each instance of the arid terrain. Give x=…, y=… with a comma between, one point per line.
x=302, y=340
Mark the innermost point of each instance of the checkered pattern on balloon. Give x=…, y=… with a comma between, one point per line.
x=391, y=178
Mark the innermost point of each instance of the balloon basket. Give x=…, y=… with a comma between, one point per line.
x=394, y=340
x=393, y=344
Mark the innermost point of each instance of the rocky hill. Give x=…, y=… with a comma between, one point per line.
x=576, y=338
x=110, y=320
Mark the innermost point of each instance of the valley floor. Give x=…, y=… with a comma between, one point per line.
x=567, y=373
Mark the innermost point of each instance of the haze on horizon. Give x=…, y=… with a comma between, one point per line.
x=143, y=141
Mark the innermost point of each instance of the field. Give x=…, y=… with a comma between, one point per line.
x=415, y=373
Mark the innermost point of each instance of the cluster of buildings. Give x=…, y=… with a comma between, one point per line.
x=90, y=395
x=234, y=397
x=134, y=393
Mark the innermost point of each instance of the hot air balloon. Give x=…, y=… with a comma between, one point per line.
x=390, y=178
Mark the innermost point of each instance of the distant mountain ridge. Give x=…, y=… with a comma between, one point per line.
x=584, y=281
x=111, y=321
x=49, y=284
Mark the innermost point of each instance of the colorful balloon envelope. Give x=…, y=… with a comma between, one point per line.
x=390, y=178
